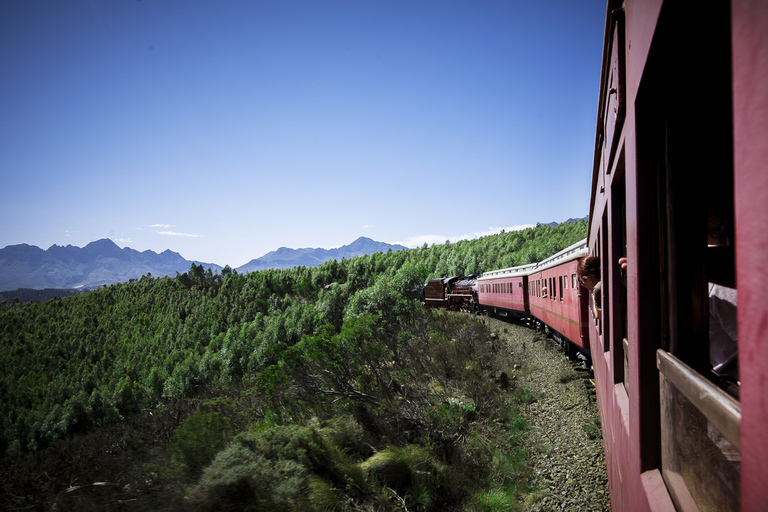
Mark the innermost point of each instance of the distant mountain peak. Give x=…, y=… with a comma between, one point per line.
x=287, y=258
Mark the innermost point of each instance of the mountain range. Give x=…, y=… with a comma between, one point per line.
x=103, y=262
x=287, y=258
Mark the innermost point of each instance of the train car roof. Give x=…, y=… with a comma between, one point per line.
x=522, y=270
x=576, y=250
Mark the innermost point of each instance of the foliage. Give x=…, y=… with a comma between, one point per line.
x=593, y=430
x=340, y=342
x=271, y=469
x=198, y=440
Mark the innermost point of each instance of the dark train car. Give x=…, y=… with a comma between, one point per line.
x=452, y=293
x=680, y=189
x=558, y=300
x=505, y=292
x=434, y=293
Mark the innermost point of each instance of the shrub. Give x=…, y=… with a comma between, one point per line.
x=593, y=430
x=198, y=440
x=414, y=472
x=279, y=468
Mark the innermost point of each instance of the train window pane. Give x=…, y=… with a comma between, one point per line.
x=574, y=281
x=699, y=439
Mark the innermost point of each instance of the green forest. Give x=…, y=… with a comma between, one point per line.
x=321, y=388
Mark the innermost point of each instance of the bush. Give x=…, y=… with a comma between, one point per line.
x=413, y=472
x=198, y=440
x=279, y=468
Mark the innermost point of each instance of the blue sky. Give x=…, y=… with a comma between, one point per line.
x=226, y=129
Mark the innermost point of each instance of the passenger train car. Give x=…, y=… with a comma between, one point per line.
x=548, y=291
x=558, y=300
x=505, y=292
x=680, y=198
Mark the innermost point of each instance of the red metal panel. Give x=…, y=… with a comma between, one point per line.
x=626, y=418
x=562, y=311
x=750, y=115
x=500, y=298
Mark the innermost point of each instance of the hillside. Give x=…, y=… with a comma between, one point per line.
x=219, y=367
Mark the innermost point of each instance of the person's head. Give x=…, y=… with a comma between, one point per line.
x=589, y=271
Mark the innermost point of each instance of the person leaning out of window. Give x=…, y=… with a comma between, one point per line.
x=589, y=277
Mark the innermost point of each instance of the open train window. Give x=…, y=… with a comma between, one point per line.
x=685, y=155
x=618, y=290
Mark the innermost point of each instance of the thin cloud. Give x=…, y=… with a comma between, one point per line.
x=124, y=240
x=161, y=226
x=176, y=233
x=419, y=240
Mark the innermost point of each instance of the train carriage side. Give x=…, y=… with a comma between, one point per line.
x=679, y=189
x=559, y=301
x=505, y=292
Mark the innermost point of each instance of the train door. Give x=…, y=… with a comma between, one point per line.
x=685, y=251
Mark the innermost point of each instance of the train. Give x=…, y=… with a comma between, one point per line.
x=678, y=220
x=545, y=295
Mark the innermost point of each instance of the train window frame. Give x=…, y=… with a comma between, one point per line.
x=685, y=183
x=700, y=437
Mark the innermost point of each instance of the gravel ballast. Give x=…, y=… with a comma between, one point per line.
x=565, y=449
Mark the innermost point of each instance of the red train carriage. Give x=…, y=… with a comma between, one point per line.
x=680, y=188
x=557, y=299
x=505, y=292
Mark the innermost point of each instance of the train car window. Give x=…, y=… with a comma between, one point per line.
x=605, y=287
x=560, y=281
x=618, y=289
x=574, y=281
x=686, y=257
